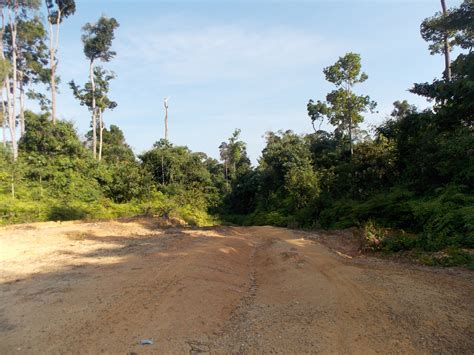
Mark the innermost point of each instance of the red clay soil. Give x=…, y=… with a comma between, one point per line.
x=105, y=286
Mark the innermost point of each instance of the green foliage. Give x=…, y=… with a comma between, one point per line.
x=55, y=178
x=457, y=25
x=343, y=108
x=408, y=188
x=60, y=9
x=44, y=138
x=98, y=39
x=85, y=95
x=115, y=149
x=449, y=257
x=372, y=236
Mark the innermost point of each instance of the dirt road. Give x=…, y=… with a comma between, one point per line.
x=104, y=287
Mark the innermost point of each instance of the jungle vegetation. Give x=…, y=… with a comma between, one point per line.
x=413, y=175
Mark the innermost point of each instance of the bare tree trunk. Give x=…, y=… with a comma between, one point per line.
x=101, y=130
x=12, y=98
x=350, y=137
x=22, y=108
x=166, y=121
x=53, y=74
x=11, y=119
x=162, y=169
x=349, y=114
x=4, y=113
x=94, y=113
x=52, y=61
x=447, y=60
x=4, y=117
x=13, y=184
x=4, y=109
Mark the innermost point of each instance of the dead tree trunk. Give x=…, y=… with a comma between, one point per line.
x=166, y=119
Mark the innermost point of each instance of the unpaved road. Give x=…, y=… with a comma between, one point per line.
x=103, y=287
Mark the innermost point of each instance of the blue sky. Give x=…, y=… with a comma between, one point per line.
x=251, y=65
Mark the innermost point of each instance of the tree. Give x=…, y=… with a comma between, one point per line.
x=449, y=28
x=342, y=107
x=5, y=69
x=16, y=9
x=453, y=98
x=97, y=39
x=171, y=165
x=234, y=154
x=31, y=58
x=94, y=96
x=402, y=109
x=116, y=149
x=58, y=10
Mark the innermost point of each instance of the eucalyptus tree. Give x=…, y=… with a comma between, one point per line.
x=57, y=10
x=95, y=98
x=343, y=108
x=97, y=39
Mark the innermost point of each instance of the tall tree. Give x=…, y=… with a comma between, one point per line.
x=4, y=72
x=446, y=49
x=58, y=10
x=343, y=108
x=32, y=58
x=449, y=28
x=16, y=9
x=97, y=39
x=234, y=155
x=95, y=97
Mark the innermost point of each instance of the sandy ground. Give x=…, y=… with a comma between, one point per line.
x=103, y=287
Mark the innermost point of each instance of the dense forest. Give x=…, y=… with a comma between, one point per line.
x=407, y=186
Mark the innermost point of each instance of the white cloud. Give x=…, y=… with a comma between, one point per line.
x=221, y=53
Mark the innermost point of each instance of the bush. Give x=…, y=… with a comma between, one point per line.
x=449, y=257
x=372, y=236
x=66, y=213
x=399, y=242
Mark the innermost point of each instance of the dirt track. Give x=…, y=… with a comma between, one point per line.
x=103, y=287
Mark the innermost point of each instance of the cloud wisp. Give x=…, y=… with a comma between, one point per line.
x=222, y=52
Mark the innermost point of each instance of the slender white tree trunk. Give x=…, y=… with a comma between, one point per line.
x=11, y=121
x=52, y=65
x=447, y=60
x=94, y=113
x=53, y=47
x=4, y=120
x=166, y=121
x=12, y=98
x=4, y=108
x=349, y=118
x=22, y=108
x=101, y=131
